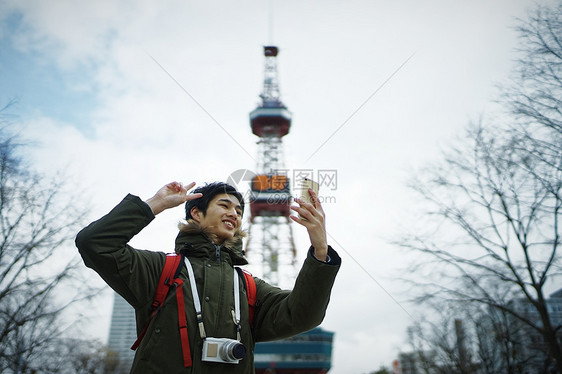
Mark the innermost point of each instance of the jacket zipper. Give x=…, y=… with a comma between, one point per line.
x=218, y=252
x=218, y=256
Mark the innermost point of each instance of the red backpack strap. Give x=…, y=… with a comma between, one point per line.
x=186, y=353
x=251, y=291
x=170, y=266
x=172, y=263
x=172, y=278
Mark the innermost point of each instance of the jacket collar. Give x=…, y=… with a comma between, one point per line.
x=201, y=241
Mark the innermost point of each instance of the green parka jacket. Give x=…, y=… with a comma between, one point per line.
x=134, y=275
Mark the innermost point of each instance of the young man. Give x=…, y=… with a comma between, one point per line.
x=211, y=241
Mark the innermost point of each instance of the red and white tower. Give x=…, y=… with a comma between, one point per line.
x=271, y=240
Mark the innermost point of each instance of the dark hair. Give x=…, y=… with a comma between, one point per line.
x=209, y=191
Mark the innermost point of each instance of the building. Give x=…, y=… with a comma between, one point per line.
x=307, y=353
x=122, y=333
x=532, y=344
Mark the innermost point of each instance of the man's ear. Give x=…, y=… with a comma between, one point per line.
x=196, y=214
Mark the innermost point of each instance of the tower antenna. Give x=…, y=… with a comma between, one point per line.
x=271, y=19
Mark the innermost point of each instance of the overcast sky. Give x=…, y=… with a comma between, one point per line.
x=376, y=89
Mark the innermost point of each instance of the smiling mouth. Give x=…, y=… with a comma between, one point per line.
x=228, y=224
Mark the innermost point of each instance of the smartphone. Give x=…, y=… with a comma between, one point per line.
x=305, y=185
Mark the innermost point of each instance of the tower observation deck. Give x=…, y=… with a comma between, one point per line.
x=271, y=118
x=270, y=234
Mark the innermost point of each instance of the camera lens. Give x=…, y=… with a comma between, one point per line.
x=234, y=351
x=239, y=351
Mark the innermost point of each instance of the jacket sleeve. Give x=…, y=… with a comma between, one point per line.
x=280, y=314
x=103, y=246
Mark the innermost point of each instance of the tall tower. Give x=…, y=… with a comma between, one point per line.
x=271, y=240
x=271, y=235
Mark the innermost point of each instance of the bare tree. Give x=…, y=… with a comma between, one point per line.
x=498, y=344
x=496, y=199
x=39, y=279
x=535, y=94
x=76, y=356
x=83, y=357
x=498, y=235
x=468, y=338
x=381, y=370
x=442, y=344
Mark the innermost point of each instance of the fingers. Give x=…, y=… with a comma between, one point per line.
x=193, y=196
x=308, y=211
x=177, y=188
x=189, y=186
x=313, y=218
x=186, y=188
x=315, y=200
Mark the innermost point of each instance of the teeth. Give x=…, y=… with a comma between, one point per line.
x=229, y=224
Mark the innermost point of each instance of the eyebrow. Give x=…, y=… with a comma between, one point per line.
x=230, y=202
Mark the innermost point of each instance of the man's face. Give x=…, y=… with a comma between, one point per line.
x=223, y=217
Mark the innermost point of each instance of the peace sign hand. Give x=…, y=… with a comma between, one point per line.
x=170, y=196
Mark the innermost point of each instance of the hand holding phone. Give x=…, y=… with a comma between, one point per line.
x=316, y=226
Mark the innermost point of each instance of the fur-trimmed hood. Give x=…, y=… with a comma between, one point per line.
x=202, y=240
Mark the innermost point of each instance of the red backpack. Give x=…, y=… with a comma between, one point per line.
x=169, y=278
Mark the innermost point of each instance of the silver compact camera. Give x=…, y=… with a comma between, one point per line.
x=225, y=350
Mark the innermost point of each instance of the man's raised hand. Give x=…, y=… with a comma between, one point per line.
x=312, y=216
x=170, y=196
